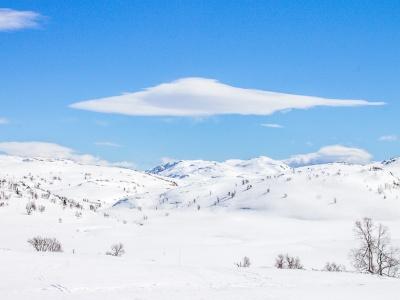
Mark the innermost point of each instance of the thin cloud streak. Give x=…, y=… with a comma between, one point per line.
x=271, y=125
x=389, y=138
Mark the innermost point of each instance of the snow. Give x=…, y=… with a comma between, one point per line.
x=176, y=250
x=335, y=190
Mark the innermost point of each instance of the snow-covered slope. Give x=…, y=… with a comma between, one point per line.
x=78, y=182
x=185, y=226
x=336, y=190
x=319, y=191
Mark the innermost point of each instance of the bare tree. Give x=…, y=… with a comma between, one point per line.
x=363, y=259
x=375, y=254
x=116, y=250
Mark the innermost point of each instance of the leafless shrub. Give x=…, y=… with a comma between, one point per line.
x=30, y=207
x=41, y=208
x=45, y=244
x=375, y=254
x=334, y=267
x=288, y=262
x=245, y=263
x=116, y=250
x=280, y=261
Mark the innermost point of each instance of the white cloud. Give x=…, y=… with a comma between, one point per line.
x=205, y=97
x=271, y=125
x=329, y=154
x=4, y=121
x=16, y=19
x=389, y=138
x=54, y=151
x=108, y=144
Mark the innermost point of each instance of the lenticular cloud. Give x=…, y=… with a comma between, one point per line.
x=203, y=97
x=330, y=154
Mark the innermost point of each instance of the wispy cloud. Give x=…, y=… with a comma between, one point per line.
x=4, y=121
x=329, y=154
x=271, y=125
x=55, y=151
x=108, y=144
x=17, y=19
x=204, y=97
x=389, y=138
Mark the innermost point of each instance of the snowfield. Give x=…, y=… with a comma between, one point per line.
x=185, y=225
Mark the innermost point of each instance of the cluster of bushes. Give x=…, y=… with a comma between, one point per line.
x=334, y=267
x=45, y=244
x=288, y=262
x=31, y=207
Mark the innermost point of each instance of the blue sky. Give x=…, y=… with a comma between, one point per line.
x=82, y=50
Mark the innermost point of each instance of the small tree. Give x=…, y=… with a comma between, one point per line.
x=375, y=254
x=116, y=250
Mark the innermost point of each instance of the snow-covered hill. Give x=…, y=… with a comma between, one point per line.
x=186, y=224
x=78, y=182
x=316, y=192
x=336, y=190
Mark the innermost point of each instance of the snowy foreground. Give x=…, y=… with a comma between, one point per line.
x=186, y=247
